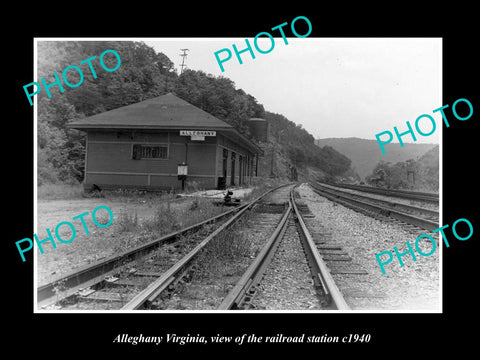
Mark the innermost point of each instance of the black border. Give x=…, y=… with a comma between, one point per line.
x=396, y=333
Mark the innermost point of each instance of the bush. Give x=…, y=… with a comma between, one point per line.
x=127, y=222
x=59, y=191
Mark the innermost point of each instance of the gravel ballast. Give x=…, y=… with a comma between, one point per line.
x=287, y=283
x=415, y=287
x=411, y=202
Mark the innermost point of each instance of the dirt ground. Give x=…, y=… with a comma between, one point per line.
x=101, y=242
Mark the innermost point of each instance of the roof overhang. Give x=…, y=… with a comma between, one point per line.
x=227, y=131
x=87, y=127
x=236, y=136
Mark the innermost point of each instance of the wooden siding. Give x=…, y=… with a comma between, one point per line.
x=201, y=159
x=110, y=163
x=162, y=137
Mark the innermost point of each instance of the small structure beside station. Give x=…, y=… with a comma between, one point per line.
x=163, y=143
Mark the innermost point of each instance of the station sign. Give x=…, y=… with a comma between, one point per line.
x=197, y=134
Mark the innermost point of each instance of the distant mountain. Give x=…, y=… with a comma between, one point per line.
x=365, y=154
x=427, y=170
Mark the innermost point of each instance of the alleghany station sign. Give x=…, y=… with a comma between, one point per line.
x=197, y=134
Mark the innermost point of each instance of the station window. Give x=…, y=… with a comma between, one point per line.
x=149, y=152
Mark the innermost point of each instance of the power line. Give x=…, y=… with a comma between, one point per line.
x=184, y=55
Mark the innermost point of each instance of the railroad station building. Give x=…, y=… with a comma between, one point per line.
x=163, y=143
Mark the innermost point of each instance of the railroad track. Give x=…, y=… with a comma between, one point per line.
x=410, y=209
x=108, y=284
x=416, y=216
x=412, y=195
x=291, y=231
x=163, y=275
x=221, y=265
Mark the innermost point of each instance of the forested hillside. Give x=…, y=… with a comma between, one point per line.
x=421, y=174
x=300, y=147
x=144, y=74
x=365, y=154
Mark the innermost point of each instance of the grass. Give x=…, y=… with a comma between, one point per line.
x=168, y=214
x=127, y=222
x=59, y=191
x=260, y=186
x=156, y=214
x=219, y=257
x=229, y=245
x=217, y=269
x=167, y=217
x=75, y=191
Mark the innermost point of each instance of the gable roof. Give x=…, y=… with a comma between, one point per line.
x=162, y=112
x=166, y=112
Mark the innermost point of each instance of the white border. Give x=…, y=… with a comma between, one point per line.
x=157, y=312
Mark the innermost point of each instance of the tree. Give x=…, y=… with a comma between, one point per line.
x=218, y=96
x=143, y=74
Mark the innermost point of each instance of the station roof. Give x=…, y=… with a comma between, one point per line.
x=166, y=112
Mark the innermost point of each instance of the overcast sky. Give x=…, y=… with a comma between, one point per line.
x=333, y=87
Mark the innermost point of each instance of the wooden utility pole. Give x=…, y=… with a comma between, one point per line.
x=184, y=55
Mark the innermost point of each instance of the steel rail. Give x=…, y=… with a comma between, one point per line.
x=89, y=275
x=390, y=204
x=319, y=268
x=349, y=202
x=414, y=195
x=152, y=291
x=156, y=287
x=252, y=276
